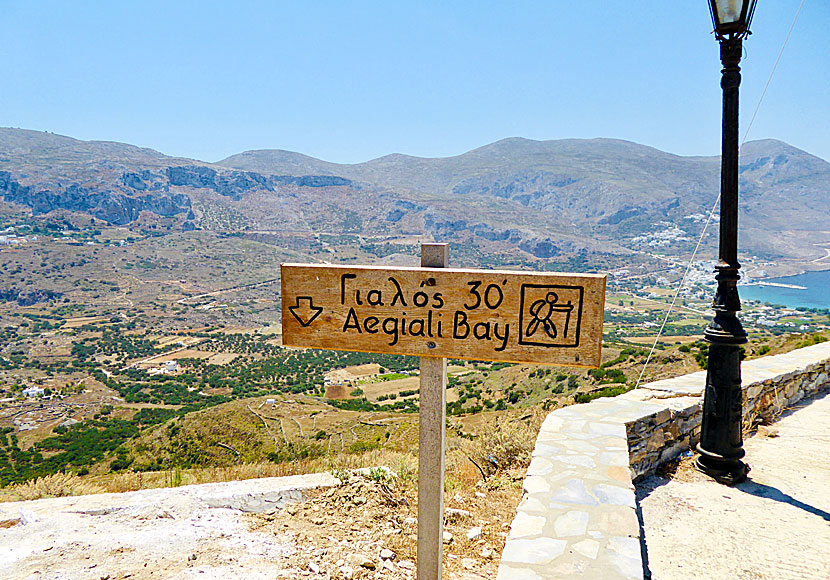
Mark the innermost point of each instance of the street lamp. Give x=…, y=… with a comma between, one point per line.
x=721, y=441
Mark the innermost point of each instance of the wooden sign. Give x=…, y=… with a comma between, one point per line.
x=441, y=312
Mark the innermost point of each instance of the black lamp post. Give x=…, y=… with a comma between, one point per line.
x=721, y=440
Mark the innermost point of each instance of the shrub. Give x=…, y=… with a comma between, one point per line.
x=361, y=447
x=606, y=392
x=509, y=444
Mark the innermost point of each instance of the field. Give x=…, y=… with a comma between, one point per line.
x=102, y=318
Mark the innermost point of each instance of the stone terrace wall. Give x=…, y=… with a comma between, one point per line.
x=578, y=516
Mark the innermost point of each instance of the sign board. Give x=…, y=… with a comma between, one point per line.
x=441, y=312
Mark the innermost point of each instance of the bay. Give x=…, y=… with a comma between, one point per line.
x=815, y=292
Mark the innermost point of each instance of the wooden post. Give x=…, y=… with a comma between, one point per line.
x=431, y=437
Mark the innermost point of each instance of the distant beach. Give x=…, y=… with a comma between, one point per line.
x=811, y=290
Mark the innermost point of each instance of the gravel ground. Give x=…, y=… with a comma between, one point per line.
x=310, y=526
x=774, y=526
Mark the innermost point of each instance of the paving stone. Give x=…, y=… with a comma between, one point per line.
x=576, y=460
x=573, y=492
x=538, y=551
x=624, y=554
x=536, y=484
x=573, y=523
x=574, y=425
x=540, y=466
x=531, y=504
x=613, y=495
x=619, y=473
x=614, y=458
x=580, y=446
x=552, y=424
x=614, y=521
x=559, y=476
x=587, y=548
x=544, y=450
x=615, y=429
x=525, y=525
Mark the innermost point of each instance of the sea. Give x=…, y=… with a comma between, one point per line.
x=811, y=289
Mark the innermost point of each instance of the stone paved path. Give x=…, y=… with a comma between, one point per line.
x=775, y=526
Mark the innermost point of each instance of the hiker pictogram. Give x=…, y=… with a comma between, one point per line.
x=542, y=310
x=550, y=315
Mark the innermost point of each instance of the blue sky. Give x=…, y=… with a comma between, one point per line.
x=350, y=81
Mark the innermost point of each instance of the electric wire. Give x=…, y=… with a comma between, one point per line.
x=772, y=72
x=717, y=200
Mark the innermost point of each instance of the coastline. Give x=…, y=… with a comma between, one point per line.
x=763, y=282
x=809, y=289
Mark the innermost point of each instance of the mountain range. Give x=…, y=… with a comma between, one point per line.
x=543, y=198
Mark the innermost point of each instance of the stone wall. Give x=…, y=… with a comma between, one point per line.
x=578, y=516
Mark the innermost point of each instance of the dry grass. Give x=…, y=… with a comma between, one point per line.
x=57, y=485
x=771, y=407
x=502, y=451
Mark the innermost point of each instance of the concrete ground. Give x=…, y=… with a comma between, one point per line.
x=774, y=526
x=193, y=531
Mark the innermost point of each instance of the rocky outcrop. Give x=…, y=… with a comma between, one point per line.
x=402, y=208
x=109, y=205
x=27, y=297
x=523, y=184
x=235, y=184
x=145, y=190
x=143, y=180
x=448, y=228
x=311, y=181
x=622, y=214
x=541, y=248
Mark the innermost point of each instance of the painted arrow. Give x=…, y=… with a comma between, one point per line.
x=304, y=311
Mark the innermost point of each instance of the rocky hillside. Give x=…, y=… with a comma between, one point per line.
x=546, y=198
x=116, y=182
x=602, y=186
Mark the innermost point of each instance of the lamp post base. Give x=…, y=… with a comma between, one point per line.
x=721, y=469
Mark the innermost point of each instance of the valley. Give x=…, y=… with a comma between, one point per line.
x=142, y=348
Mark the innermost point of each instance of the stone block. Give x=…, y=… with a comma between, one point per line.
x=572, y=523
x=525, y=525
x=656, y=441
x=615, y=521
x=624, y=554
x=615, y=495
x=536, y=484
x=536, y=551
x=574, y=492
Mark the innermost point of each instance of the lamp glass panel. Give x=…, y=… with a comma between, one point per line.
x=729, y=11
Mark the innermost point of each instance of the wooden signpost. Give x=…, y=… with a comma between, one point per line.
x=467, y=314
x=437, y=313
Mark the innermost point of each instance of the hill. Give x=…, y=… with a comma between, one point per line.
x=608, y=187
x=528, y=199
